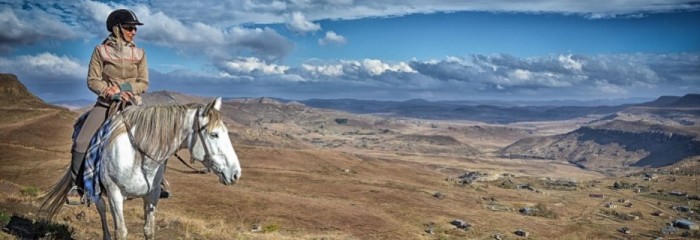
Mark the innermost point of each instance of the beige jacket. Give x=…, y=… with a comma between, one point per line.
x=112, y=64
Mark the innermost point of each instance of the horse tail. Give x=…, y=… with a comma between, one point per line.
x=55, y=197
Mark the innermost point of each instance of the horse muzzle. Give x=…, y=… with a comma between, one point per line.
x=229, y=180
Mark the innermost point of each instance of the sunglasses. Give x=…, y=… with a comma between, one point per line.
x=129, y=28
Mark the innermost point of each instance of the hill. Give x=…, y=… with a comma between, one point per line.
x=32, y=133
x=166, y=97
x=660, y=133
x=15, y=94
x=661, y=101
x=687, y=101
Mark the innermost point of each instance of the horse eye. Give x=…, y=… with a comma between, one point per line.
x=214, y=135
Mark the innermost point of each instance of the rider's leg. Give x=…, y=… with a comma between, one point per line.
x=93, y=122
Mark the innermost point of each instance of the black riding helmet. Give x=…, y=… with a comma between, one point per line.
x=121, y=16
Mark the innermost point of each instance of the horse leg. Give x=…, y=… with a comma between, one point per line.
x=150, y=202
x=100, y=204
x=116, y=202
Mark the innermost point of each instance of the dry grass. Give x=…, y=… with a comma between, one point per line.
x=294, y=189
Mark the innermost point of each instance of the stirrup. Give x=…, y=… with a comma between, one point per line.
x=75, y=196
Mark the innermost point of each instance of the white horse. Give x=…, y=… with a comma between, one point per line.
x=134, y=145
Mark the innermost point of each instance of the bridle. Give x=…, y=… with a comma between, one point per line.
x=198, y=128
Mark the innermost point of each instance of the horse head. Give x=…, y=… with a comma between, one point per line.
x=212, y=145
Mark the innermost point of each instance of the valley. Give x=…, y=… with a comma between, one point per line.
x=319, y=173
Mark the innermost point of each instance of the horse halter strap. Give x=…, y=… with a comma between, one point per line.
x=198, y=129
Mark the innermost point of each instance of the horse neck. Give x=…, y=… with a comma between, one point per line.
x=171, y=146
x=189, y=139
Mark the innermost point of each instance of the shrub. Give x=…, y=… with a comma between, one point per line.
x=49, y=230
x=29, y=191
x=543, y=211
x=624, y=185
x=4, y=218
x=621, y=215
x=271, y=228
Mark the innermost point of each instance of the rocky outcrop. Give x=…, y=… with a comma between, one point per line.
x=613, y=145
x=14, y=94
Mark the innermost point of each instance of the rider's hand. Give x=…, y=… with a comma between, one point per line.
x=126, y=96
x=110, y=91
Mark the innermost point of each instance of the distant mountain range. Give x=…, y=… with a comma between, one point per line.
x=499, y=112
x=502, y=112
x=485, y=111
x=651, y=134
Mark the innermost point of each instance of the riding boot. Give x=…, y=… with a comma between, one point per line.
x=75, y=194
x=165, y=189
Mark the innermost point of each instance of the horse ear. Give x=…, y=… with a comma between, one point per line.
x=216, y=104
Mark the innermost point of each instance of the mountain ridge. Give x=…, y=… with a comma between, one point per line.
x=15, y=94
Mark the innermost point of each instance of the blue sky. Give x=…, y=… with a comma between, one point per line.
x=387, y=50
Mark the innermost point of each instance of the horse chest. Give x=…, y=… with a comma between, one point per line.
x=131, y=175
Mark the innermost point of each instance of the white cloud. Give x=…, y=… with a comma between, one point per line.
x=573, y=75
x=607, y=88
x=265, y=12
x=334, y=70
x=44, y=66
x=521, y=74
x=265, y=42
x=452, y=78
x=201, y=28
x=252, y=65
x=50, y=76
x=22, y=27
x=193, y=36
x=298, y=23
x=332, y=38
x=377, y=67
x=570, y=63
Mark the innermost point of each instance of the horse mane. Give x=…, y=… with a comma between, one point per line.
x=158, y=130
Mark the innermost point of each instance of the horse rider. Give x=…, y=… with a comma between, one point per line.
x=118, y=75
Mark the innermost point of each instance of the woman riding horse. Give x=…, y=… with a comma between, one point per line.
x=118, y=74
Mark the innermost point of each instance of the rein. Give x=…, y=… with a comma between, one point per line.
x=200, y=171
x=131, y=139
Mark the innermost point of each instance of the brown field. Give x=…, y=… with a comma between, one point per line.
x=372, y=178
